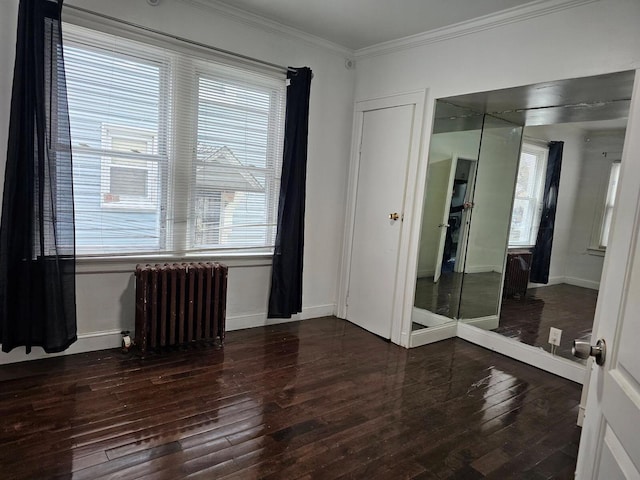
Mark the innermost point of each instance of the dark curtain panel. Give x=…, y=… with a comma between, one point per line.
x=286, y=276
x=544, y=241
x=37, y=237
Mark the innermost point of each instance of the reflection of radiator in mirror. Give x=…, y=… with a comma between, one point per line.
x=516, y=276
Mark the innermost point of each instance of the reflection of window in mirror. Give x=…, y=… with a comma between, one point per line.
x=527, y=202
x=602, y=223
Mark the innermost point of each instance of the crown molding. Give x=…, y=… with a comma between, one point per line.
x=512, y=15
x=256, y=21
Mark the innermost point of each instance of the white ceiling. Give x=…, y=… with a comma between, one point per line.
x=357, y=24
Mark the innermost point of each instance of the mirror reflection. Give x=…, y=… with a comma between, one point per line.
x=489, y=229
x=519, y=197
x=585, y=201
x=473, y=159
x=451, y=174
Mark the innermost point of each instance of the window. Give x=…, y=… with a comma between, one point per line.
x=172, y=153
x=609, y=203
x=527, y=203
x=127, y=182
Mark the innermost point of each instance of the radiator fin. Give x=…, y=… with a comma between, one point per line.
x=180, y=303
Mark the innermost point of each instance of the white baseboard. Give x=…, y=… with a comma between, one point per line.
x=533, y=356
x=433, y=334
x=468, y=269
x=87, y=342
x=578, y=282
x=580, y=420
x=238, y=322
x=482, y=268
x=427, y=318
x=425, y=273
x=581, y=282
x=552, y=281
x=487, y=323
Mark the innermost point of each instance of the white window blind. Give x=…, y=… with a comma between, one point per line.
x=527, y=202
x=609, y=204
x=172, y=153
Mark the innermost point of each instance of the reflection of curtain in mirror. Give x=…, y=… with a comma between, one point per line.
x=544, y=241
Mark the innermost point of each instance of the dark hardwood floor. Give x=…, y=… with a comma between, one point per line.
x=563, y=306
x=457, y=295
x=314, y=399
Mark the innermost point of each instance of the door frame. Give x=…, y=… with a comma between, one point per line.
x=399, y=335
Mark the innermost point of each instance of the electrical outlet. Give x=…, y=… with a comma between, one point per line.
x=554, y=336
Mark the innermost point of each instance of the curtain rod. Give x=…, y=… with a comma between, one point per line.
x=247, y=58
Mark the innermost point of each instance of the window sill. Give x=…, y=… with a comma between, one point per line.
x=127, y=264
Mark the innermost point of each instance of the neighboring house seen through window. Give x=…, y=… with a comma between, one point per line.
x=172, y=153
x=128, y=179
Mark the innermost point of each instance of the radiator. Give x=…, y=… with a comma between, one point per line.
x=179, y=304
x=516, y=278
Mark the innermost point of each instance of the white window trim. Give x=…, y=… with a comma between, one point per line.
x=178, y=234
x=595, y=245
x=126, y=264
x=538, y=151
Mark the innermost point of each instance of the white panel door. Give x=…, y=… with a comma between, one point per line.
x=381, y=181
x=610, y=442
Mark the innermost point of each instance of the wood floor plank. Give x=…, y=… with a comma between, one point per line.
x=315, y=399
x=563, y=306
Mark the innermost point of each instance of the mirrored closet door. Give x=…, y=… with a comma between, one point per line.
x=486, y=195
x=469, y=187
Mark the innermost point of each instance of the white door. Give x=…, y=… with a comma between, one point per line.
x=610, y=442
x=443, y=177
x=381, y=181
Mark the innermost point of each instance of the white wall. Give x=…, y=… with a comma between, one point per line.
x=104, y=291
x=570, y=43
x=583, y=264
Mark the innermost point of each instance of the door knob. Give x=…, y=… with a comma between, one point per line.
x=394, y=216
x=598, y=351
x=446, y=225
